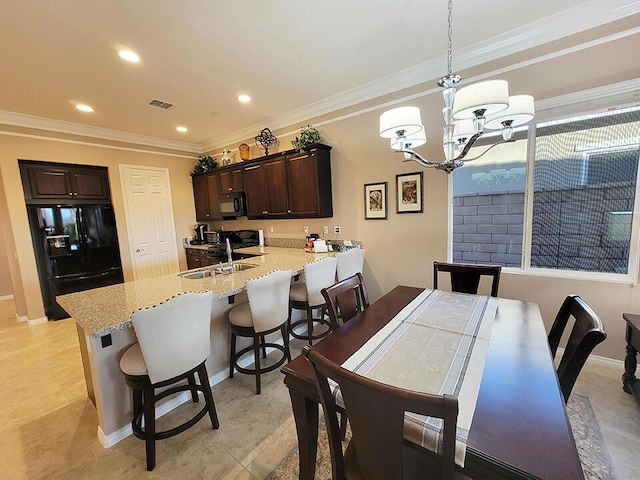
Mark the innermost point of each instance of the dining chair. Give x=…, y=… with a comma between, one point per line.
x=307, y=296
x=266, y=312
x=173, y=345
x=465, y=278
x=587, y=332
x=350, y=263
x=345, y=299
x=376, y=411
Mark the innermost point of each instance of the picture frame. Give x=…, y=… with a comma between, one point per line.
x=375, y=201
x=409, y=193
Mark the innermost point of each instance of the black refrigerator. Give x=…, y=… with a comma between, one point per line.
x=76, y=249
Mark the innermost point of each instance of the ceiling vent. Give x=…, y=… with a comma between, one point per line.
x=160, y=104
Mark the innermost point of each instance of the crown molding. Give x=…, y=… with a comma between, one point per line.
x=563, y=24
x=586, y=101
x=61, y=126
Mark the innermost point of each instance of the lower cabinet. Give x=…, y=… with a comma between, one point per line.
x=196, y=258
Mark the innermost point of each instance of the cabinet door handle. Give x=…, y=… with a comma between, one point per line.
x=288, y=211
x=252, y=168
x=230, y=189
x=71, y=194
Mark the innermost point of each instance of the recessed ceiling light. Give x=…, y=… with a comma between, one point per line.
x=129, y=55
x=244, y=98
x=181, y=129
x=84, y=108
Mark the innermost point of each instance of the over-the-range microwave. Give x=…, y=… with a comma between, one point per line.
x=232, y=205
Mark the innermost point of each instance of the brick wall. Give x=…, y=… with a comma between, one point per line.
x=487, y=228
x=573, y=229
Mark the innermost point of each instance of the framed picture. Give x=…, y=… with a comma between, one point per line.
x=409, y=192
x=375, y=201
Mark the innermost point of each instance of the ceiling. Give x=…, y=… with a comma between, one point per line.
x=295, y=59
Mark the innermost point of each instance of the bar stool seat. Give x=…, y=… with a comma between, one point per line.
x=308, y=296
x=266, y=312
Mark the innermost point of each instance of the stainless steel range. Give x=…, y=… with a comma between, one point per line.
x=237, y=239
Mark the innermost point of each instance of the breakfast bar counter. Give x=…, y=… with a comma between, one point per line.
x=103, y=311
x=105, y=330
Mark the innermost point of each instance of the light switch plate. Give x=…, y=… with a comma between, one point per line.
x=325, y=230
x=306, y=229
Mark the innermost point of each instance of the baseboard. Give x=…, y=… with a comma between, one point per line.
x=37, y=321
x=108, y=441
x=6, y=297
x=22, y=318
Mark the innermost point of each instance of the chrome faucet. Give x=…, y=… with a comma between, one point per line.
x=229, y=255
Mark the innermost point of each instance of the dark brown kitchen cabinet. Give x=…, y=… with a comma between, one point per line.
x=265, y=185
x=309, y=184
x=205, y=194
x=197, y=258
x=254, y=190
x=292, y=184
x=46, y=182
x=231, y=180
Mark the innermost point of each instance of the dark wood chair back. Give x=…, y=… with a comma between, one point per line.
x=345, y=299
x=376, y=414
x=587, y=332
x=465, y=278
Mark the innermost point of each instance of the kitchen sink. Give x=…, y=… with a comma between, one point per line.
x=236, y=267
x=221, y=268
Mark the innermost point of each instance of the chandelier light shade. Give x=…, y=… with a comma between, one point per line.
x=521, y=110
x=481, y=99
x=467, y=113
x=406, y=120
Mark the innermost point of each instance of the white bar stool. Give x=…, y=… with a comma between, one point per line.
x=350, y=263
x=173, y=344
x=264, y=313
x=308, y=296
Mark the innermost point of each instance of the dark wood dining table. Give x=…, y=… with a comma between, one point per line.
x=520, y=429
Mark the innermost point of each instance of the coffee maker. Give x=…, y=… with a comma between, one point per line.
x=200, y=237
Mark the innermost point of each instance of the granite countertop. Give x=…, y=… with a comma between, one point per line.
x=106, y=310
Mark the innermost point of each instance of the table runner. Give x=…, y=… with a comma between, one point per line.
x=436, y=344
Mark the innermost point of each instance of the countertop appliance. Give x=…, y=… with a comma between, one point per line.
x=232, y=205
x=238, y=239
x=212, y=237
x=76, y=249
x=200, y=229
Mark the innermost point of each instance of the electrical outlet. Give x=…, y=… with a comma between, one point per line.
x=337, y=230
x=271, y=229
x=306, y=229
x=325, y=230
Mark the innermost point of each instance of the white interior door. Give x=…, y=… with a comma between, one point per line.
x=149, y=214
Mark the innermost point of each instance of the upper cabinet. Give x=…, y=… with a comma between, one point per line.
x=291, y=184
x=45, y=182
x=231, y=180
x=205, y=193
x=309, y=184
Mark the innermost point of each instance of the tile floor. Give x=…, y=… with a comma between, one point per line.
x=48, y=426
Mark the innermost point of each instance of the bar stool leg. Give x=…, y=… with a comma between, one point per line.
x=192, y=386
x=232, y=359
x=263, y=341
x=148, y=404
x=310, y=325
x=208, y=396
x=256, y=354
x=285, y=340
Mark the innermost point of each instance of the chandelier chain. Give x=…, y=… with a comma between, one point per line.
x=449, y=37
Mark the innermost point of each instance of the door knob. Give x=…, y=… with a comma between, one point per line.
x=138, y=250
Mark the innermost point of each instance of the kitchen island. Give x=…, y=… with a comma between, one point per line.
x=103, y=316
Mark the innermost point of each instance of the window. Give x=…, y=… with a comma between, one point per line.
x=584, y=188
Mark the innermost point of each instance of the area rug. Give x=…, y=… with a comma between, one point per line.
x=596, y=462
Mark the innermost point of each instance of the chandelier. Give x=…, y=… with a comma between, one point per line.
x=468, y=113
